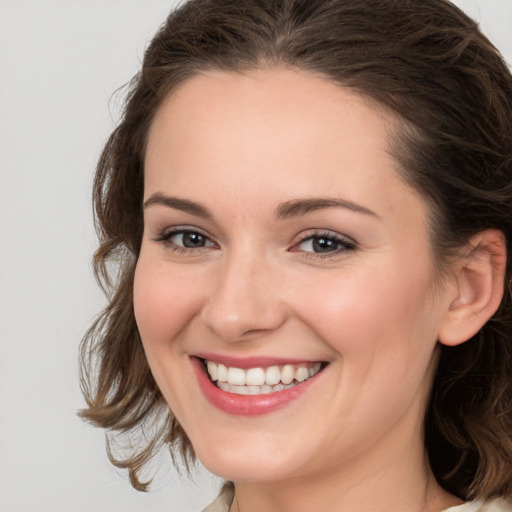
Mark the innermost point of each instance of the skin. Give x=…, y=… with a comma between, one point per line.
x=240, y=145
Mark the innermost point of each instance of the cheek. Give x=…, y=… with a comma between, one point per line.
x=384, y=311
x=164, y=301
x=383, y=327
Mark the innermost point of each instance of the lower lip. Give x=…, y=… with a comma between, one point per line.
x=247, y=405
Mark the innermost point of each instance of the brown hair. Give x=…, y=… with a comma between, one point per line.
x=427, y=62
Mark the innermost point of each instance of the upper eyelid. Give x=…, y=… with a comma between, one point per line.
x=164, y=238
x=311, y=233
x=347, y=244
x=175, y=230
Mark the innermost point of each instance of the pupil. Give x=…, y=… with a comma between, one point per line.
x=324, y=245
x=193, y=240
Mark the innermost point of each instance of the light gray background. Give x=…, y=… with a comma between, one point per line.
x=60, y=61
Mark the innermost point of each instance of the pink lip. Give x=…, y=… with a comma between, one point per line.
x=247, y=405
x=249, y=362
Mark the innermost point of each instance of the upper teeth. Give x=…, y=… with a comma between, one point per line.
x=262, y=376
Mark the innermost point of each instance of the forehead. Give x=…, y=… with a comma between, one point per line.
x=287, y=93
x=267, y=133
x=272, y=108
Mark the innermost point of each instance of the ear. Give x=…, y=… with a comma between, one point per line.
x=479, y=288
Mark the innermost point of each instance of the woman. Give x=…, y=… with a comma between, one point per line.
x=309, y=204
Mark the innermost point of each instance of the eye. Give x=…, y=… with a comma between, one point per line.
x=319, y=244
x=324, y=244
x=185, y=240
x=190, y=239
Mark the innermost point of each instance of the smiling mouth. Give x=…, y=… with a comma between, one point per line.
x=261, y=380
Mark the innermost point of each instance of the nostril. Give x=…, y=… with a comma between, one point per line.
x=243, y=322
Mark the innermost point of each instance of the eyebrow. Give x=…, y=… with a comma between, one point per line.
x=298, y=207
x=178, y=204
x=293, y=208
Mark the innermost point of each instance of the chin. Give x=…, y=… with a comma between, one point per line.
x=244, y=471
x=250, y=463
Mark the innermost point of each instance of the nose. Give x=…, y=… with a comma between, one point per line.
x=245, y=301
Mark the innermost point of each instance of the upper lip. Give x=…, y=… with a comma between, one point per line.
x=252, y=362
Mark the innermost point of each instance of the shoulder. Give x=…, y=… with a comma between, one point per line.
x=223, y=500
x=496, y=505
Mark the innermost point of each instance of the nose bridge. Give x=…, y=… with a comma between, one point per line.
x=245, y=298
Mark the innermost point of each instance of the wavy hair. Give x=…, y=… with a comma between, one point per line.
x=424, y=60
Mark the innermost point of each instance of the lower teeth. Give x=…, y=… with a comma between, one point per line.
x=253, y=390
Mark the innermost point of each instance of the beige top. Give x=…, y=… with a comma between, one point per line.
x=225, y=498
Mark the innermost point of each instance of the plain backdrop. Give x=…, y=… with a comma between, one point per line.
x=60, y=62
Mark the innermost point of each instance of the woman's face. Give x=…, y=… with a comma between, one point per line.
x=280, y=244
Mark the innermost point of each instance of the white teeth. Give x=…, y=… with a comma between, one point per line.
x=240, y=390
x=212, y=370
x=272, y=375
x=257, y=381
x=255, y=377
x=222, y=373
x=287, y=374
x=236, y=376
x=265, y=390
x=224, y=386
x=252, y=390
x=301, y=374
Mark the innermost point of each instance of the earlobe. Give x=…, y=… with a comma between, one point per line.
x=479, y=288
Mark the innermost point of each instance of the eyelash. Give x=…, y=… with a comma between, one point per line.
x=165, y=239
x=344, y=244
